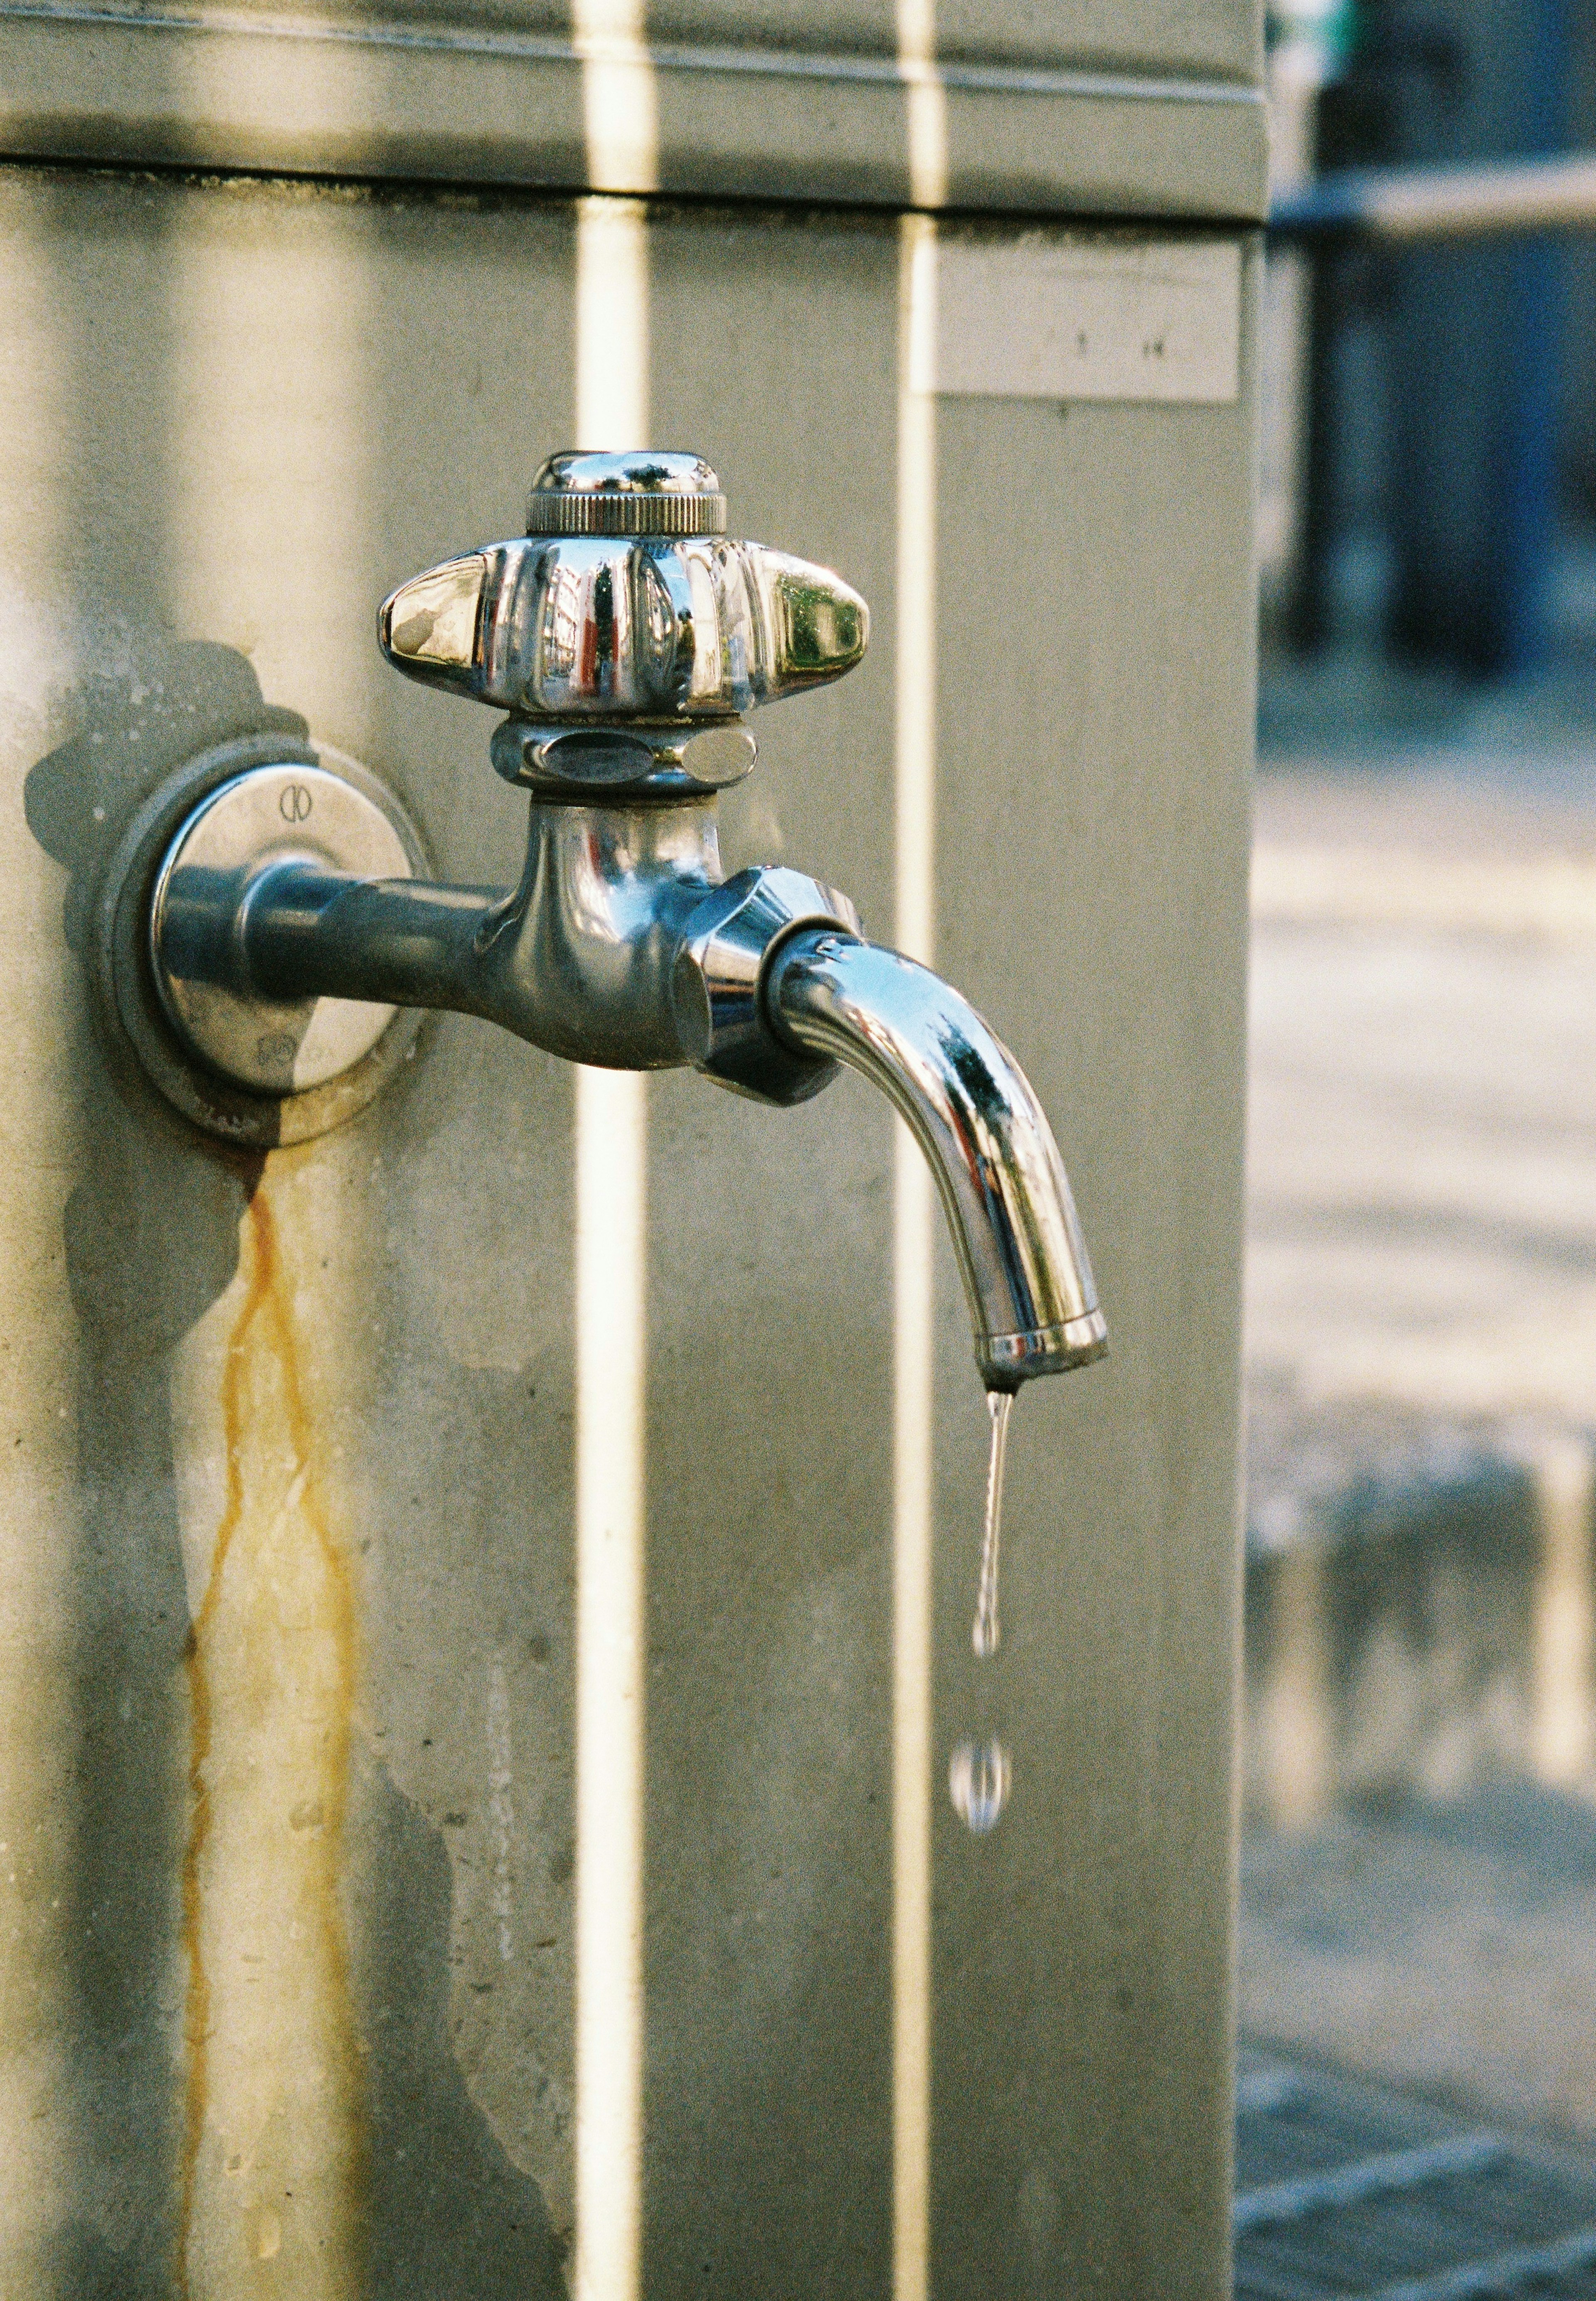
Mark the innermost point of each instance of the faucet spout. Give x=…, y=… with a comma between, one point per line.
x=1032, y=1299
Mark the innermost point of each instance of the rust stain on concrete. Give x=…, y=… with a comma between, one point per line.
x=273, y=2149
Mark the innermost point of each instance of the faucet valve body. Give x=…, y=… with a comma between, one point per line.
x=269, y=937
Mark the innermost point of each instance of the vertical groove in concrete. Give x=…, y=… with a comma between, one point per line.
x=612, y=411
x=620, y=108
x=927, y=103
x=913, y=1214
x=611, y=1270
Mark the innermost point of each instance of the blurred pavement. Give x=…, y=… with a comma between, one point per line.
x=1422, y=1137
x=1421, y=1292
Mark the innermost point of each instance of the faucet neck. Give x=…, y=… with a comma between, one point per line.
x=622, y=839
x=581, y=951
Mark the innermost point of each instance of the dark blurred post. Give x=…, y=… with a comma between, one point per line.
x=1473, y=337
x=1309, y=618
x=1309, y=44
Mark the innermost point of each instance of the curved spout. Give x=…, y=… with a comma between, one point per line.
x=1001, y=1181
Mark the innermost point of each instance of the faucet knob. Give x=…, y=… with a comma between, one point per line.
x=625, y=604
x=654, y=491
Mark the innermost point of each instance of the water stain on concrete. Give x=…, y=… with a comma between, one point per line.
x=274, y=2155
x=250, y=2048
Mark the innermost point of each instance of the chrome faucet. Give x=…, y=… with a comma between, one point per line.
x=625, y=635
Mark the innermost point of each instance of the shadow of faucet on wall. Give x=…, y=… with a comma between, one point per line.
x=152, y=1242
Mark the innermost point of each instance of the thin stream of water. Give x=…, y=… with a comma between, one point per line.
x=978, y=1771
x=987, y=1629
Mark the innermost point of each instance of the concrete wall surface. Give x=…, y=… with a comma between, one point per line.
x=287, y=1648
x=1151, y=109
x=1221, y=39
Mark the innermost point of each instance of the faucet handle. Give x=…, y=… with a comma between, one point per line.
x=625, y=602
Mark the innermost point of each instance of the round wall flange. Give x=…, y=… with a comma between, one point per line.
x=258, y=1074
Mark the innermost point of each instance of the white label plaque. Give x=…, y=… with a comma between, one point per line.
x=1056, y=316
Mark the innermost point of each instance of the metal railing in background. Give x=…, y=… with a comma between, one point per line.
x=1332, y=222
x=1398, y=205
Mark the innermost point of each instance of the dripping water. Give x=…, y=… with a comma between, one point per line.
x=987, y=1628
x=978, y=1772
x=978, y=1784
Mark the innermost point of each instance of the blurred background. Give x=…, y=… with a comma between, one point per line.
x=1419, y=1906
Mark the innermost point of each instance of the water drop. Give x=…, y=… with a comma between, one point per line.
x=978, y=1784
x=987, y=1628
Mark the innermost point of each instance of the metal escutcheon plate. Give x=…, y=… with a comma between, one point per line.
x=255, y=1072
x=276, y=815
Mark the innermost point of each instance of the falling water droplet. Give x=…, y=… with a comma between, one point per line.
x=988, y=1629
x=978, y=1784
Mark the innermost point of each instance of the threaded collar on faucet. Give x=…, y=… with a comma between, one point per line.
x=643, y=491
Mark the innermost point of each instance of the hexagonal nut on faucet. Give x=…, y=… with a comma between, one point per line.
x=716, y=988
